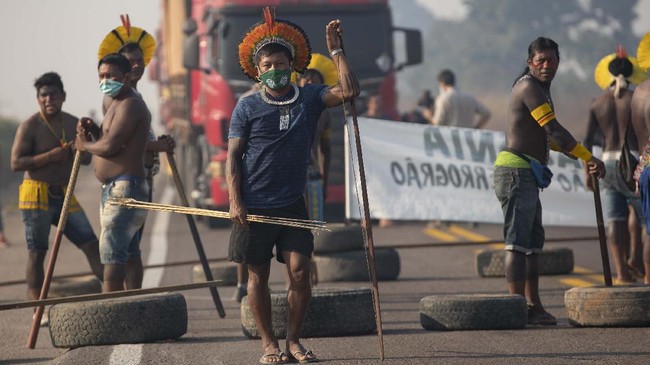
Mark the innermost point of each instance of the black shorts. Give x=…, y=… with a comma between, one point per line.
x=254, y=245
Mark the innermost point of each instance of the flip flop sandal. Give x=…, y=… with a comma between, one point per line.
x=306, y=358
x=635, y=272
x=266, y=358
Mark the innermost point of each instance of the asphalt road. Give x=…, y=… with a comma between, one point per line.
x=447, y=269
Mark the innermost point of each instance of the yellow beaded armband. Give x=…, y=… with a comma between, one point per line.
x=581, y=152
x=543, y=114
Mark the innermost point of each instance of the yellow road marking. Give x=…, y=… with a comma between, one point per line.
x=575, y=282
x=444, y=236
x=467, y=234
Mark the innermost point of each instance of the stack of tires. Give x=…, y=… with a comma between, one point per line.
x=224, y=271
x=552, y=261
x=340, y=255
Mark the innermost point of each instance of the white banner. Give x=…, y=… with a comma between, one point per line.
x=426, y=172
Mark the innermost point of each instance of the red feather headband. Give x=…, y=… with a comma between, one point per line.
x=278, y=31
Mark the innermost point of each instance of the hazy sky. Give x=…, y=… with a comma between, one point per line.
x=63, y=36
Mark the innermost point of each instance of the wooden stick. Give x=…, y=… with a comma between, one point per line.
x=607, y=272
x=400, y=246
x=292, y=222
x=195, y=235
x=79, y=274
x=110, y=295
x=367, y=228
x=63, y=218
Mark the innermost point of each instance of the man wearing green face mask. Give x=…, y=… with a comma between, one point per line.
x=118, y=148
x=269, y=146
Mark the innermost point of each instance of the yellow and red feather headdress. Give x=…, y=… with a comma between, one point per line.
x=272, y=30
x=603, y=75
x=125, y=34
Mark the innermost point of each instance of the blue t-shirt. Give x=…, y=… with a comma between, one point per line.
x=278, y=145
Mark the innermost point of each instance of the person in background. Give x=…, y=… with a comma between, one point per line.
x=610, y=113
x=455, y=108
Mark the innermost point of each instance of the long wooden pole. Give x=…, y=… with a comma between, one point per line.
x=63, y=218
x=607, y=272
x=399, y=247
x=366, y=225
x=195, y=235
x=109, y=295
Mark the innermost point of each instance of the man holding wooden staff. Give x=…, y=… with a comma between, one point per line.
x=269, y=145
x=520, y=171
x=44, y=148
x=118, y=149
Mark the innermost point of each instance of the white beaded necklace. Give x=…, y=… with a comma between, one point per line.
x=267, y=100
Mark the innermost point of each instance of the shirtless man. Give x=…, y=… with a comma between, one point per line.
x=118, y=149
x=610, y=113
x=532, y=127
x=641, y=121
x=43, y=149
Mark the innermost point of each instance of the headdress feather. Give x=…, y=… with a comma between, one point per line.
x=272, y=30
x=618, y=66
x=643, y=52
x=125, y=34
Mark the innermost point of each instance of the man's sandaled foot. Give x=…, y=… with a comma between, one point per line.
x=303, y=356
x=537, y=316
x=279, y=358
x=635, y=271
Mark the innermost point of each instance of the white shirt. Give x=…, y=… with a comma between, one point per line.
x=458, y=109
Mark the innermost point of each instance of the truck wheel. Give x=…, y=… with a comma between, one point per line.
x=341, y=238
x=225, y=271
x=138, y=319
x=608, y=306
x=67, y=287
x=332, y=312
x=352, y=266
x=473, y=312
x=552, y=261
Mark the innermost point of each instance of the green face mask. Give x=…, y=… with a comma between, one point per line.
x=276, y=79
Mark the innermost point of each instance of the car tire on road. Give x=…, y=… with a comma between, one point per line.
x=341, y=238
x=473, y=312
x=618, y=306
x=352, y=266
x=67, y=287
x=332, y=312
x=552, y=261
x=225, y=271
x=138, y=319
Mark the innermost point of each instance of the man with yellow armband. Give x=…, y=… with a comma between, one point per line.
x=44, y=148
x=520, y=171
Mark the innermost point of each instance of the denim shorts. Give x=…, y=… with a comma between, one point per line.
x=38, y=222
x=618, y=196
x=254, y=245
x=518, y=194
x=644, y=188
x=119, y=239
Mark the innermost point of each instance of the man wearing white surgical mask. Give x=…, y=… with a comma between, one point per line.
x=118, y=149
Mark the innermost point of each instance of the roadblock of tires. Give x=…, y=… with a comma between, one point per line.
x=473, y=312
x=552, y=261
x=332, y=312
x=340, y=255
x=614, y=306
x=137, y=319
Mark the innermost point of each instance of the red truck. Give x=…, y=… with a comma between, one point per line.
x=200, y=80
